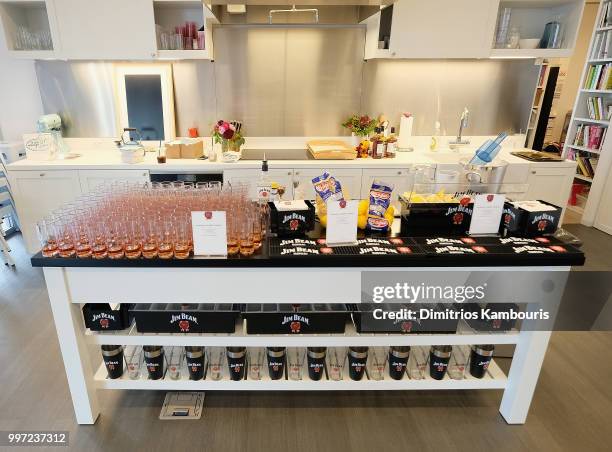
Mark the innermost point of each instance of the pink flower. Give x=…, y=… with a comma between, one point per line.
x=228, y=134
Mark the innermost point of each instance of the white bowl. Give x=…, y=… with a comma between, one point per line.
x=531, y=43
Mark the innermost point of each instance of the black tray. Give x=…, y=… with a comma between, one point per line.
x=100, y=316
x=368, y=246
x=295, y=319
x=192, y=318
x=365, y=322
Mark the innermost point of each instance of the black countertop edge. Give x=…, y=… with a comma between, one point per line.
x=447, y=260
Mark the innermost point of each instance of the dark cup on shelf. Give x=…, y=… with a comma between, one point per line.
x=439, y=356
x=113, y=360
x=236, y=362
x=480, y=358
x=154, y=360
x=195, y=362
x=276, y=362
x=398, y=361
x=357, y=359
x=315, y=357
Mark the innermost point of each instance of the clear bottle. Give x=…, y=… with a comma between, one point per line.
x=264, y=185
x=435, y=139
x=391, y=144
x=376, y=145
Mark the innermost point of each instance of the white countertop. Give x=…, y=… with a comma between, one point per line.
x=101, y=154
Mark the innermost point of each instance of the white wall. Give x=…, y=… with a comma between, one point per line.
x=20, y=104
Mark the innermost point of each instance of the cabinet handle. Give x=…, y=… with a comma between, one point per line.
x=289, y=173
x=145, y=174
x=534, y=172
x=399, y=173
x=42, y=174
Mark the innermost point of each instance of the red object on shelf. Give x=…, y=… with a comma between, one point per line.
x=576, y=190
x=193, y=132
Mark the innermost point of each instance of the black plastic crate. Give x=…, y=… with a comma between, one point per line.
x=365, y=321
x=426, y=219
x=516, y=221
x=192, y=318
x=292, y=223
x=101, y=317
x=295, y=319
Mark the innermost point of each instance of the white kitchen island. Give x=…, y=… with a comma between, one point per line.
x=39, y=187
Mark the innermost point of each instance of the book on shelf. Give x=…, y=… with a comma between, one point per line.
x=589, y=136
x=586, y=166
x=601, y=45
x=598, y=77
x=605, y=19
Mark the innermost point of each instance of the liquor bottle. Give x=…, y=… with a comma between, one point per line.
x=376, y=144
x=390, y=144
x=264, y=185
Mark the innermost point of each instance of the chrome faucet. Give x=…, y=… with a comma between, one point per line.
x=465, y=116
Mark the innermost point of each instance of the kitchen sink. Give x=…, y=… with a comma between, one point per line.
x=450, y=157
x=276, y=154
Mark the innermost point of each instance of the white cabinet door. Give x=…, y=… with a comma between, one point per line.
x=106, y=30
x=550, y=184
x=603, y=218
x=443, y=28
x=243, y=176
x=399, y=177
x=92, y=179
x=38, y=193
x=350, y=179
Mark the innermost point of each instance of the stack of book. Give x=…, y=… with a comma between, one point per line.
x=605, y=19
x=589, y=136
x=599, y=109
x=598, y=77
x=586, y=165
x=601, y=45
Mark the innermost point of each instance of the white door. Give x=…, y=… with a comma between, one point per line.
x=350, y=179
x=399, y=177
x=550, y=184
x=38, y=193
x=243, y=176
x=443, y=28
x=106, y=30
x=92, y=179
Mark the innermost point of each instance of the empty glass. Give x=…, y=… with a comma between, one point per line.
x=377, y=361
x=256, y=362
x=215, y=357
x=295, y=362
x=336, y=357
x=133, y=360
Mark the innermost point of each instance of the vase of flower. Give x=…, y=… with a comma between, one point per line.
x=228, y=135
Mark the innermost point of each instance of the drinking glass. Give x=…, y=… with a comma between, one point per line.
x=182, y=244
x=336, y=357
x=214, y=356
x=165, y=249
x=115, y=239
x=295, y=361
x=133, y=243
x=175, y=361
x=98, y=247
x=151, y=240
x=246, y=236
x=133, y=361
x=48, y=237
x=458, y=362
x=417, y=363
x=377, y=361
x=256, y=362
x=66, y=239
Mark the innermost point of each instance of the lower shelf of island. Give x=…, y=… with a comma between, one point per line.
x=494, y=379
x=463, y=336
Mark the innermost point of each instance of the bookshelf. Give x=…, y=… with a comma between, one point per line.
x=587, y=140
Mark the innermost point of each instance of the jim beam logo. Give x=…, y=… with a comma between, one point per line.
x=453, y=250
x=440, y=366
x=443, y=241
x=377, y=250
x=295, y=322
x=458, y=212
x=294, y=220
x=509, y=216
x=299, y=251
x=183, y=321
x=532, y=249
x=103, y=319
x=542, y=221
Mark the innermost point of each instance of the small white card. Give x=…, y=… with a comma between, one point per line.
x=487, y=213
x=209, y=233
x=341, y=222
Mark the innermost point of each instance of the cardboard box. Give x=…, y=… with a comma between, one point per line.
x=185, y=149
x=192, y=149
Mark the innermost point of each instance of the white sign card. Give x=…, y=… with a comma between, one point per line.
x=341, y=222
x=486, y=217
x=209, y=233
x=39, y=146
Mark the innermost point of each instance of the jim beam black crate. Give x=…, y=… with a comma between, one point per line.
x=399, y=318
x=444, y=218
x=292, y=223
x=519, y=222
x=185, y=318
x=295, y=319
x=102, y=317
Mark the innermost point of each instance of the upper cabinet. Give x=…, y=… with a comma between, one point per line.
x=106, y=30
x=432, y=29
x=29, y=28
x=473, y=29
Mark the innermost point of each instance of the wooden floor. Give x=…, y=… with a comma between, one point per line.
x=571, y=410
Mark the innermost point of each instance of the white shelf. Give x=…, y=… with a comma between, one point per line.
x=603, y=122
x=596, y=91
x=599, y=29
x=600, y=60
x=495, y=379
x=183, y=55
x=584, y=178
x=349, y=338
x=585, y=149
x=531, y=53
